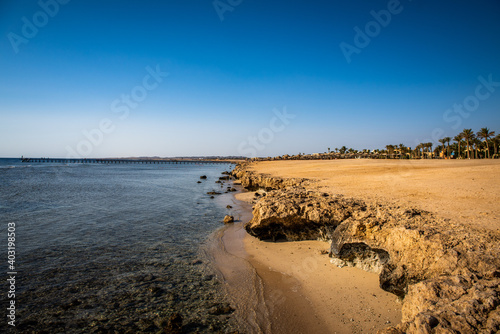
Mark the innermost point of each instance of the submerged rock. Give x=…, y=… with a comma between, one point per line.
x=213, y=193
x=174, y=324
x=221, y=309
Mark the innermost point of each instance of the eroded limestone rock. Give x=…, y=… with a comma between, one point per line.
x=298, y=214
x=252, y=181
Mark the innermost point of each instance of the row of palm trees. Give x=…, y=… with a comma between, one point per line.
x=467, y=145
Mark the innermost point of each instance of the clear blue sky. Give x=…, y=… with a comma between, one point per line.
x=64, y=72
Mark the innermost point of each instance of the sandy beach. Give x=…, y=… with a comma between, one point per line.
x=466, y=191
x=302, y=291
x=291, y=287
x=326, y=298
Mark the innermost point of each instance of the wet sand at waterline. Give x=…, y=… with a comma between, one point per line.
x=466, y=191
x=266, y=300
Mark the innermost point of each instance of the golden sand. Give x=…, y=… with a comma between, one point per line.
x=463, y=190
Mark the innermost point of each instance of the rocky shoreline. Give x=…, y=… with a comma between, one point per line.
x=447, y=274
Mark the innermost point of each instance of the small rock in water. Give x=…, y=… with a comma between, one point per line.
x=174, y=324
x=228, y=219
x=203, y=177
x=149, y=277
x=155, y=290
x=198, y=182
x=229, y=207
x=221, y=309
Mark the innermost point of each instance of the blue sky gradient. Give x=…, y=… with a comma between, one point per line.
x=228, y=78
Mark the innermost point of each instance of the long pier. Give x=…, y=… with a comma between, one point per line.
x=121, y=161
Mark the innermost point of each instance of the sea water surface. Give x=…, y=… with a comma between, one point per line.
x=112, y=248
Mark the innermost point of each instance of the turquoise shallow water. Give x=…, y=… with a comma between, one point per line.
x=103, y=248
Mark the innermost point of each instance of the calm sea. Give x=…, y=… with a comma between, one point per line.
x=111, y=248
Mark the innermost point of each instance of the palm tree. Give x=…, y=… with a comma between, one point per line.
x=458, y=138
x=429, y=146
x=390, y=150
x=486, y=134
x=447, y=140
x=424, y=150
x=421, y=146
x=438, y=150
x=404, y=150
x=496, y=144
x=468, y=135
x=442, y=141
x=476, y=146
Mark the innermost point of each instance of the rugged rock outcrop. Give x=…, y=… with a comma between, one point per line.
x=298, y=214
x=447, y=274
x=253, y=181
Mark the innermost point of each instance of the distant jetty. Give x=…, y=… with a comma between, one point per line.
x=123, y=161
